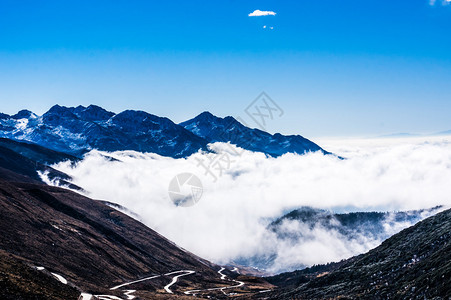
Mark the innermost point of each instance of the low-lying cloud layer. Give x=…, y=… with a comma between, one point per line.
x=230, y=221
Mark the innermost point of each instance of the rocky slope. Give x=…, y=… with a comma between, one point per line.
x=90, y=244
x=20, y=280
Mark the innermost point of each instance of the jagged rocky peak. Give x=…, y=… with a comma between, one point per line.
x=205, y=125
x=140, y=120
x=93, y=113
x=206, y=115
x=62, y=111
x=4, y=116
x=58, y=116
x=24, y=114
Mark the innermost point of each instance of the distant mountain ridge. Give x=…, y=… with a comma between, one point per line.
x=297, y=226
x=413, y=264
x=76, y=130
x=448, y=132
x=413, y=135
x=372, y=225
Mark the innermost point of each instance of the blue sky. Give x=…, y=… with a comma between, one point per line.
x=337, y=68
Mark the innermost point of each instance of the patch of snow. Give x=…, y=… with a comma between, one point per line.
x=21, y=124
x=60, y=278
x=54, y=226
x=108, y=297
x=85, y=296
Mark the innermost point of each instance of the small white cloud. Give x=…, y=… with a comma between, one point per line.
x=260, y=13
x=271, y=28
x=264, y=26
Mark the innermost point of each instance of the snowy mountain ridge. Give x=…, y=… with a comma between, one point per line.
x=76, y=130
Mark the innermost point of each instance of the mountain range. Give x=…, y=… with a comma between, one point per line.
x=76, y=130
x=412, y=135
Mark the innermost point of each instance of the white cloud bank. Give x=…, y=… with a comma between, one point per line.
x=260, y=13
x=231, y=219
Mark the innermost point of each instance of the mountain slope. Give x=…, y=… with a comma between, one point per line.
x=35, y=152
x=29, y=160
x=413, y=264
x=20, y=281
x=90, y=244
x=228, y=129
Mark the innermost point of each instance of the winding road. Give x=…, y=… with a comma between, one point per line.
x=223, y=277
x=136, y=281
x=174, y=280
x=129, y=293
